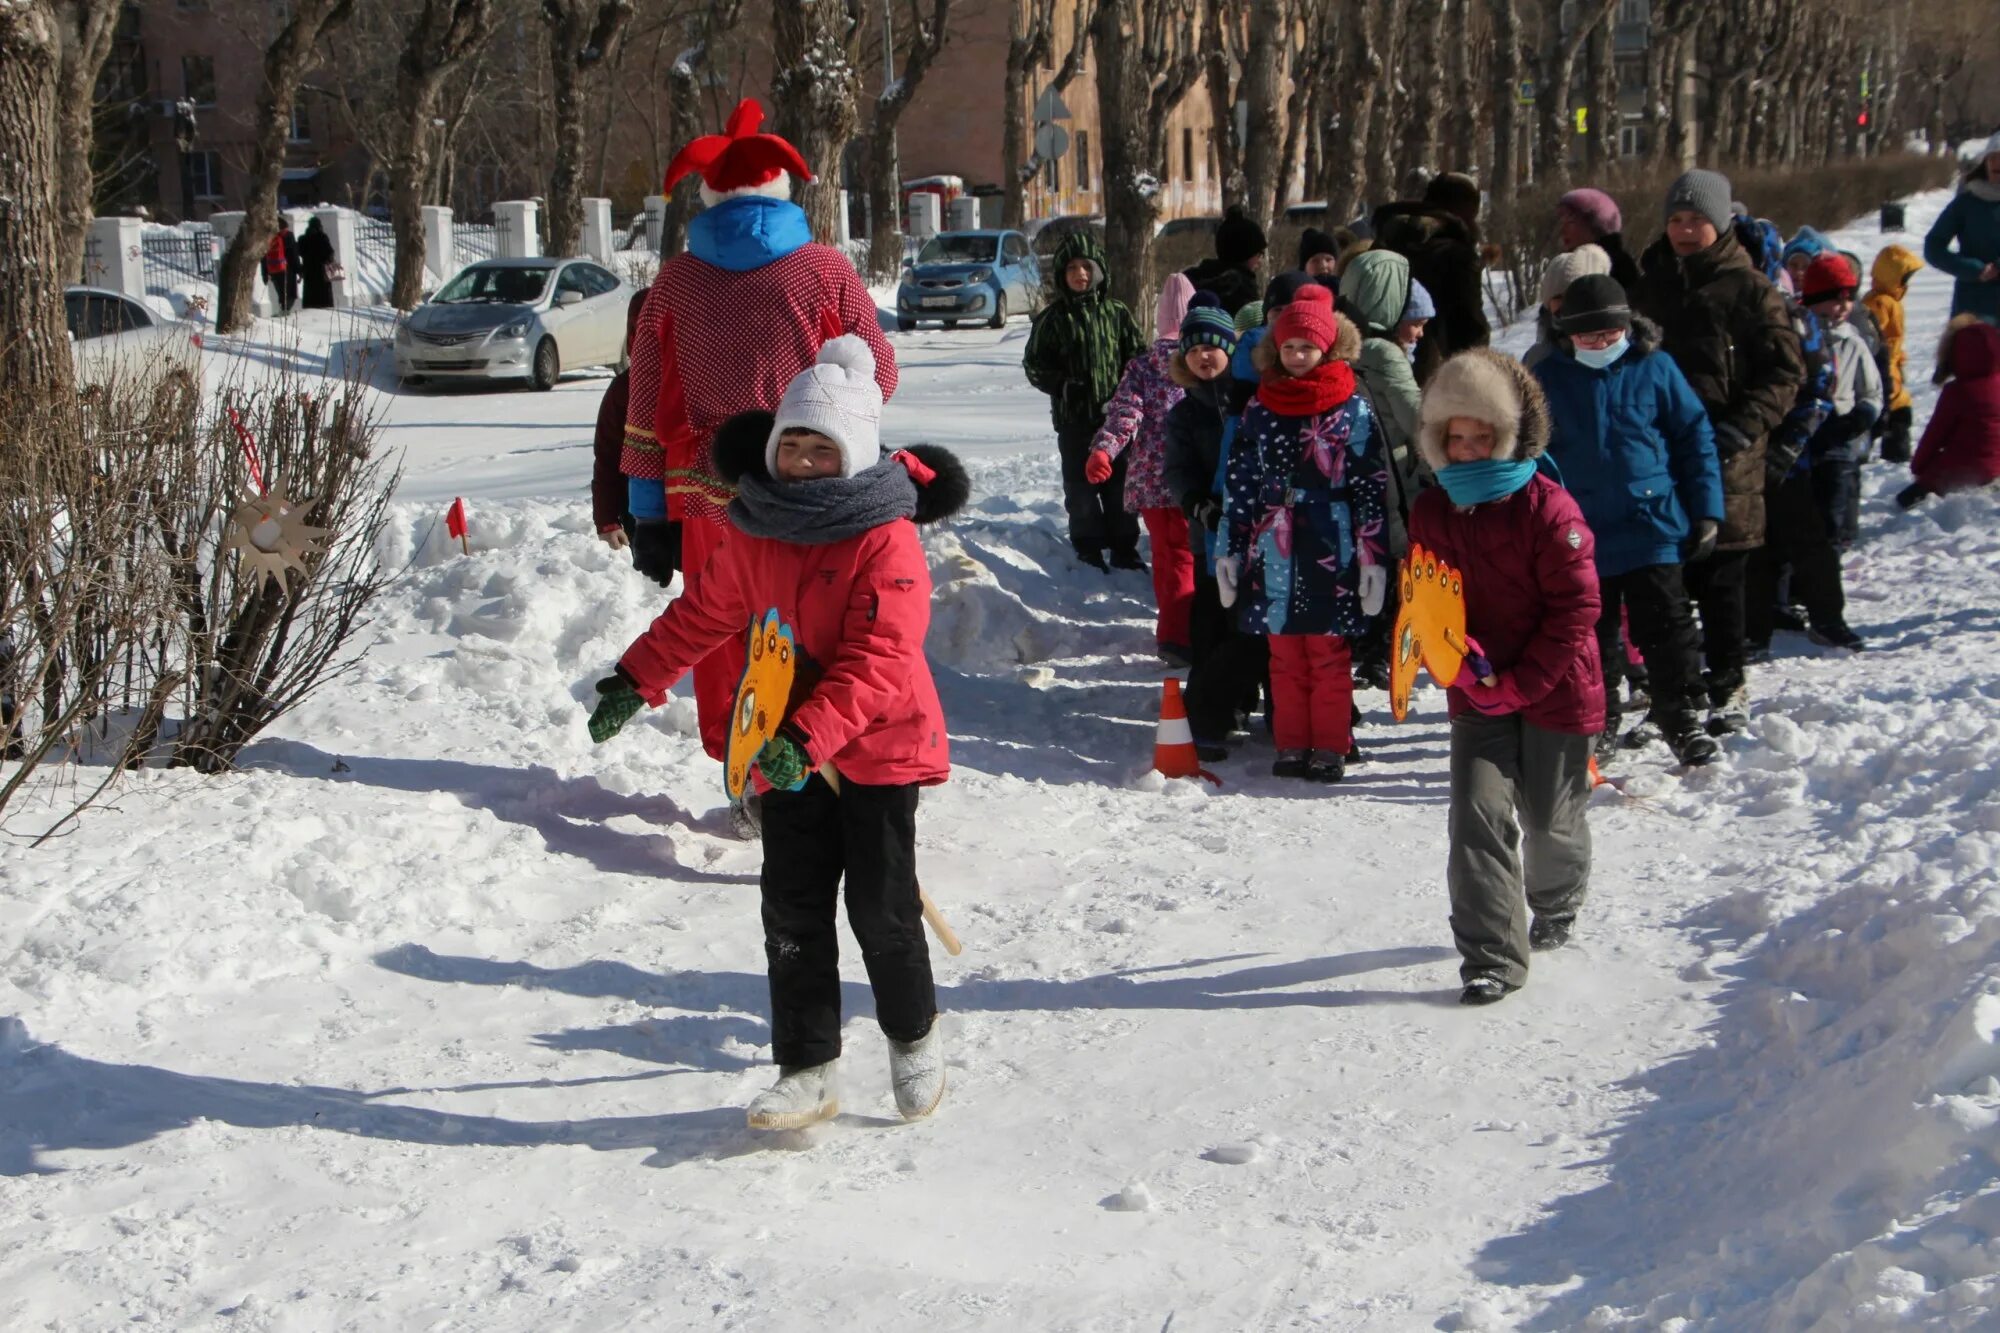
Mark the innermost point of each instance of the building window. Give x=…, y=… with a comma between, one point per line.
x=301, y=128
x=198, y=79
x=1187, y=154
x=1634, y=11
x=1628, y=141
x=204, y=174
x=1083, y=176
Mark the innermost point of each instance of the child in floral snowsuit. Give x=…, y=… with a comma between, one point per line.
x=1306, y=556
x=1135, y=425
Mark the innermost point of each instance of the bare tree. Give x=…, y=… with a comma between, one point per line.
x=583, y=34
x=1031, y=37
x=88, y=28
x=1148, y=58
x=1461, y=150
x=1225, y=61
x=816, y=90
x=1423, y=69
x=286, y=61
x=1552, y=102
x=924, y=38
x=1270, y=42
x=1506, y=92
x=1348, y=113
x=34, y=268
x=706, y=26
x=1311, y=47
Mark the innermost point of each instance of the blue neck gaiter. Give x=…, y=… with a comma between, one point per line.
x=1489, y=479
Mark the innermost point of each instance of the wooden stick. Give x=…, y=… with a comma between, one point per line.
x=939, y=926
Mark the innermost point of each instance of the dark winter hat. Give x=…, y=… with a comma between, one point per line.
x=1828, y=276
x=1703, y=192
x=1595, y=209
x=1239, y=239
x=1316, y=242
x=1456, y=193
x=1282, y=290
x=1207, y=324
x=1593, y=303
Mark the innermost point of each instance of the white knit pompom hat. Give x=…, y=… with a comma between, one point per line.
x=838, y=397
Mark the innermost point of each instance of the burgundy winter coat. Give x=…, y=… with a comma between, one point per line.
x=1531, y=600
x=858, y=609
x=1961, y=445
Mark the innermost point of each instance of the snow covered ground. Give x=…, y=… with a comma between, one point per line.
x=435, y=1016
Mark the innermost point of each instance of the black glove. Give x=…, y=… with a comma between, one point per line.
x=1203, y=509
x=617, y=702
x=1703, y=545
x=656, y=547
x=1779, y=456
x=1729, y=441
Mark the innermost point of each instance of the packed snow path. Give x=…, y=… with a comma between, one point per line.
x=435, y=1016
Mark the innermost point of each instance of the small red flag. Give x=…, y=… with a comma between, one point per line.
x=454, y=519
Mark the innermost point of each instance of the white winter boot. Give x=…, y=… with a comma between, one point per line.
x=916, y=1070
x=802, y=1096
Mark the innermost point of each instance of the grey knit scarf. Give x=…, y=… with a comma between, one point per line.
x=824, y=510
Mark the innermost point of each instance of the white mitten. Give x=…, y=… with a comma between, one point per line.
x=1374, y=588
x=1228, y=569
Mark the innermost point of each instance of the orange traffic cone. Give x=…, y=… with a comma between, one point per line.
x=1173, y=750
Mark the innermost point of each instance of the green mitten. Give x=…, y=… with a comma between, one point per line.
x=616, y=705
x=784, y=764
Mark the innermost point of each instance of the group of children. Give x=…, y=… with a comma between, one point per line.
x=1283, y=456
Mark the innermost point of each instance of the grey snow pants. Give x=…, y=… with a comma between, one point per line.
x=1514, y=788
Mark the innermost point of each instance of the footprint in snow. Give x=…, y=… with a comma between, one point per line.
x=1233, y=1154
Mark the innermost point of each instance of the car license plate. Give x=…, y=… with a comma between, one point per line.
x=934, y=302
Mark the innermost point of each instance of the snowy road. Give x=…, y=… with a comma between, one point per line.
x=457, y=1036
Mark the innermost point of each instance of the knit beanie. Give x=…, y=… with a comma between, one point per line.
x=1251, y=316
x=1309, y=317
x=1992, y=145
x=1808, y=242
x=1828, y=276
x=1238, y=239
x=1420, y=305
x=838, y=397
x=1565, y=269
x=1207, y=324
x=1456, y=193
x=1703, y=192
x=1592, y=304
x=1316, y=242
x=1596, y=209
x=1280, y=291
x=1174, y=298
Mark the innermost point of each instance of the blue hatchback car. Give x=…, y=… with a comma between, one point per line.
x=967, y=276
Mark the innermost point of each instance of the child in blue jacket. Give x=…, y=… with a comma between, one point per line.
x=1636, y=450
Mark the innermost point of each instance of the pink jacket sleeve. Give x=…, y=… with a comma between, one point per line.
x=881, y=645
x=1126, y=410
x=712, y=610
x=1567, y=575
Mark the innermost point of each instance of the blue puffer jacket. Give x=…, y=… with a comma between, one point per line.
x=1972, y=219
x=1635, y=449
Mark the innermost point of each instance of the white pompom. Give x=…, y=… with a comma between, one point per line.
x=850, y=353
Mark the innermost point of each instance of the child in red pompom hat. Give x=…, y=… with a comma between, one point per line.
x=1306, y=561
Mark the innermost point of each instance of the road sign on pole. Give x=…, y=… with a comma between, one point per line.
x=1051, y=142
x=1049, y=107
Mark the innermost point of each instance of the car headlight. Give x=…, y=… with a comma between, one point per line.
x=515, y=331
x=980, y=275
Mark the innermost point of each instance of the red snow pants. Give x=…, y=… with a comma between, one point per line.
x=1173, y=573
x=717, y=676
x=1312, y=693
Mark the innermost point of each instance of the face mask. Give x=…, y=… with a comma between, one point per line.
x=1597, y=358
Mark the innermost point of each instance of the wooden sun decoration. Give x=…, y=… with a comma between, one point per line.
x=1430, y=627
x=761, y=698
x=272, y=536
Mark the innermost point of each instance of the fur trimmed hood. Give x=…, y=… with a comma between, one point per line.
x=738, y=451
x=1968, y=362
x=1488, y=386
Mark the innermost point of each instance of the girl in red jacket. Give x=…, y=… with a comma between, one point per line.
x=1960, y=449
x=1530, y=699
x=824, y=541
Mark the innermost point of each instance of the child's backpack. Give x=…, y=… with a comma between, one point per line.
x=274, y=256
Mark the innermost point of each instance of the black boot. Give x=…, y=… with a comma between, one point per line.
x=1549, y=932
x=1127, y=558
x=1483, y=990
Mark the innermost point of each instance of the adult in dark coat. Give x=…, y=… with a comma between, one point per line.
x=1727, y=329
x=1239, y=253
x=1439, y=235
x=315, y=261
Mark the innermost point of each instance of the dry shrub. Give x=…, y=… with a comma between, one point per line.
x=129, y=630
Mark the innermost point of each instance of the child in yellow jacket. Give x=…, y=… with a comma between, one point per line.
x=1891, y=272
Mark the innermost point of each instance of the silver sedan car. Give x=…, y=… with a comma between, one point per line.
x=503, y=319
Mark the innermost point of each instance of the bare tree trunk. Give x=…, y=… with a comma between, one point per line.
x=1461, y=152
x=1148, y=58
x=926, y=39
x=1600, y=148
x=706, y=27
x=1308, y=49
x=1350, y=102
x=1422, y=69
x=583, y=35
x=34, y=268
x=1553, y=102
x=1391, y=103
x=445, y=34
x=1506, y=184
x=1225, y=65
x=285, y=64
x=1030, y=42
x=816, y=90
x=87, y=28
x=1263, y=86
